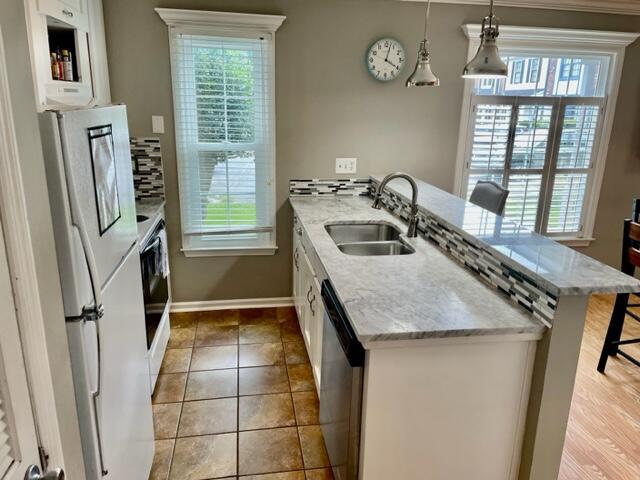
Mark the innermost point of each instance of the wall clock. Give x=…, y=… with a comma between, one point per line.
x=385, y=59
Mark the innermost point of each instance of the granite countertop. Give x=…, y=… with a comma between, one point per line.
x=422, y=295
x=152, y=208
x=560, y=269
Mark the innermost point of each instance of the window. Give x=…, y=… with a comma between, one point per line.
x=544, y=138
x=517, y=66
x=223, y=84
x=534, y=70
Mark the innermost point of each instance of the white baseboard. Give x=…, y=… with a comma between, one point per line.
x=228, y=304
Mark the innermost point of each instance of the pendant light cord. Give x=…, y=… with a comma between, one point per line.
x=426, y=21
x=491, y=14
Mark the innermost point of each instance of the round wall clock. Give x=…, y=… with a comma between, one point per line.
x=385, y=59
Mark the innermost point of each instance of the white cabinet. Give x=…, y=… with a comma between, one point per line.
x=75, y=26
x=308, y=303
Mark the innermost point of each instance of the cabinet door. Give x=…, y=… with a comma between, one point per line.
x=71, y=12
x=316, y=308
x=308, y=278
x=297, y=274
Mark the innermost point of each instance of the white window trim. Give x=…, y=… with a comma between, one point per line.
x=202, y=22
x=555, y=41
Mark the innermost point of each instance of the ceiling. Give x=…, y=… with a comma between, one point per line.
x=624, y=7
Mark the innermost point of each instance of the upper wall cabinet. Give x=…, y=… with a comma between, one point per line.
x=68, y=53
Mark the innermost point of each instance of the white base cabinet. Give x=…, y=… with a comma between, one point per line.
x=308, y=303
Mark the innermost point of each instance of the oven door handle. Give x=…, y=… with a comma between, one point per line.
x=151, y=246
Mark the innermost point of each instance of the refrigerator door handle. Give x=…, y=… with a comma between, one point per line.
x=94, y=398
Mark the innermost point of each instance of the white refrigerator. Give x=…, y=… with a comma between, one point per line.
x=90, y=184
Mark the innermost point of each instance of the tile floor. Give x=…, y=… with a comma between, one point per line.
x=236, y=399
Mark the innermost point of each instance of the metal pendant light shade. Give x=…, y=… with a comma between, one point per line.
x=422, y=75
x=487, y=62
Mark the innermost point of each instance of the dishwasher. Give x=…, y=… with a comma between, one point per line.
x=340, y=388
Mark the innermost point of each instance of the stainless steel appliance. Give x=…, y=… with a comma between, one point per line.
x=155, y=285
x=341, y=388
x=90, y=185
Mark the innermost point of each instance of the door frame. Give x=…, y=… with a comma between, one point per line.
x=22, y=268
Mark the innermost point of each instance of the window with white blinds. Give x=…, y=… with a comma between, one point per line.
x=7, y=437
x=539, y=140
x=224, y=118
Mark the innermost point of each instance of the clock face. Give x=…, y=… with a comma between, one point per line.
x=385, y=59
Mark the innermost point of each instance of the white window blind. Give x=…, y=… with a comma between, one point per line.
x=539, y=141
x=7, y=440
x=224, y=118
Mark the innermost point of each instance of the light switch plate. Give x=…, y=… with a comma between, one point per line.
x=157, y=123
x=346, y=165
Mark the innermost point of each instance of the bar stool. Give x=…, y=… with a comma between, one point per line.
x=490, y=196
x=630, y=260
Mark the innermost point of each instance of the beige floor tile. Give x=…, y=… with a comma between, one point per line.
x=261, y=333
x=295, y=352
x=176, y=360
x=214, y=358
x=319, y=474
x=211, y=334
x=301, y=377
x=183, y=319
x=165, y=419
x=261, y=354
x=162, y=460
x=170, y=388
x=210, y=456
x=290, y=331
x=266, y=411
x=182, y=337
x=269, y=451
x=261, y=380
x=299, y=475
x=208, y=417
x=219, y=317
x=312, y=443
x=285, y=314
x=212, y=384
x=257, y=316
x=307, y=407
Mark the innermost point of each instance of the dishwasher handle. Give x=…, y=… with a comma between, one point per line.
x=351, y=346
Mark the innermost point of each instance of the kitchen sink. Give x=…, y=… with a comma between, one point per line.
x=362, y=232
x=368, y=239
x=394, y=247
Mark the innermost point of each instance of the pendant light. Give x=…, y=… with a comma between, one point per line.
x=487, y=62
x=422, y=75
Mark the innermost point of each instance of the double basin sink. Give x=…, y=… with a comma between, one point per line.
x=368, y=239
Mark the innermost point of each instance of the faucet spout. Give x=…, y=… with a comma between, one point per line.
x=413, y=220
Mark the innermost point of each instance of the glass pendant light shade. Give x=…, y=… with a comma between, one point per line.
x=422, y=75
x=487, y=62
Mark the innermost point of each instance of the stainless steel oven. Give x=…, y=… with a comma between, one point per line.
x=155, y=285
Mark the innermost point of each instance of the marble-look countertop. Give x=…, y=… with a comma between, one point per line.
x=405, y=297
x=152, y=208
x=560, y=269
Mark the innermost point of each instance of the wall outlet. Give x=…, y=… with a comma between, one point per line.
x=157, y=123
x=346, y=165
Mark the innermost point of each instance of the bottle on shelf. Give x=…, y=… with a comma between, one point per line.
x=54, y=66
x=67, y=66
x=59, y=65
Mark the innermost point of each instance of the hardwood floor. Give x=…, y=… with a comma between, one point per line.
x=603, y=435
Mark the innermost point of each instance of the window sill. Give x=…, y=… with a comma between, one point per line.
x=574, y=242
x=229, y=252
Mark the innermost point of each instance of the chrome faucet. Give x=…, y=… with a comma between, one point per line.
x=413, y=220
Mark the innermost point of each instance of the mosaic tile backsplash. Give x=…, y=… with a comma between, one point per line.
x=349, y=186
x=146, y=161
x=518, y=287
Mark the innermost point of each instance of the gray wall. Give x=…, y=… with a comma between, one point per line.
x=328, y=106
